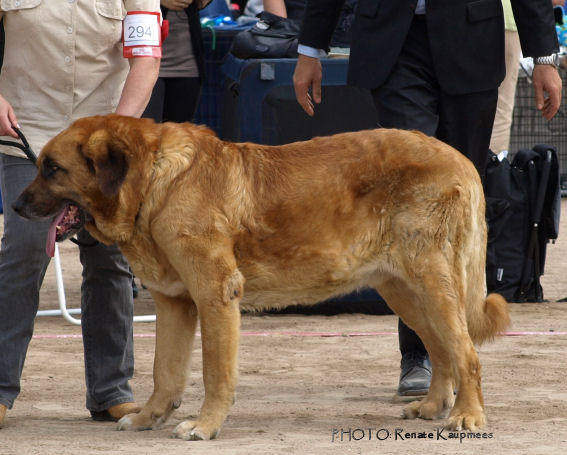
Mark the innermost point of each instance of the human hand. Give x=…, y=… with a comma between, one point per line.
x=307, y=76
x=547, y=81
x=176, y=5
x=7, y=119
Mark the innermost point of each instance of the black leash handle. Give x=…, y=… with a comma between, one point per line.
x=24, y=146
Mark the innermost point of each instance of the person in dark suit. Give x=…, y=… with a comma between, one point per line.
x=433, y=66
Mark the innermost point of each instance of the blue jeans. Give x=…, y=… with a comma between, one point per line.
x=106, y=300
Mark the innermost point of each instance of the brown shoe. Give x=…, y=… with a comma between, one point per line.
x=115, y=413
x=2, y=414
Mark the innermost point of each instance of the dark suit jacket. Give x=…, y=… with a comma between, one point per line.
x=466, y=38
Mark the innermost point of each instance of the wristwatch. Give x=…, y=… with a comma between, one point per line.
x=552, y=59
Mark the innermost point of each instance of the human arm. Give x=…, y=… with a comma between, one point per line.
x=143, y=71
x=7, y=114
x=536, y=27
x=276, y=7
x=7, y=119
x=319, y=22
x=307, y=82
x=176, y=5
x=547, y=87
x=138, y=86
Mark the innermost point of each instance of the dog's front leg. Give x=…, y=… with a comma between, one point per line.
x=219, y=316
x=176, y=320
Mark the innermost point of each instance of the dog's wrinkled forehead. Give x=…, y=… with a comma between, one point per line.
x=66, y=147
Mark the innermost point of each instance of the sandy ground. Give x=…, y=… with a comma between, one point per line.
x=308, y=384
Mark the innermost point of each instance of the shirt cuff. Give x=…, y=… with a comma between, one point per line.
x=311, y=51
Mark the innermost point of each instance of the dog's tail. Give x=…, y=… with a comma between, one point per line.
x=488, y=319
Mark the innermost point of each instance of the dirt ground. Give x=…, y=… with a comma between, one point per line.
x=308, y=384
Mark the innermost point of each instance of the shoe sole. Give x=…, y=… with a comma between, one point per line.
x=102, y=416
x=408, y=396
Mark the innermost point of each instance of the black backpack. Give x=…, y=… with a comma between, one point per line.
x=523, y=201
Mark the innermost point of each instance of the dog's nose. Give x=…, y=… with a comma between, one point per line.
x=19, y=205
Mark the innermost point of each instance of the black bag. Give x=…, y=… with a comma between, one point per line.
x=271, y=37
x=523, y=201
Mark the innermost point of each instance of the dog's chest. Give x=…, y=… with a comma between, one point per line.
x=171, y=288
x=155, y=273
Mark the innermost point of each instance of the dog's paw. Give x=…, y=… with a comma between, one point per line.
x=194, y=431
x=459, y=421
x=424, y=409
x=139, y=422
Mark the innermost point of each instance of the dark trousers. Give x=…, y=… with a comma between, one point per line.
x=411, y=98
x=174, y=99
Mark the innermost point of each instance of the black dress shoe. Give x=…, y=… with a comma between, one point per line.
x=415, y=377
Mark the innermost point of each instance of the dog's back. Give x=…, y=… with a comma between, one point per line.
x=327, y=216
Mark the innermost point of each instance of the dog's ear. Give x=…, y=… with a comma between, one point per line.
x=107, y=157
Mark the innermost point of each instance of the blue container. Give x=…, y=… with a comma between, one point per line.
x=260, y=104
x=217, y=42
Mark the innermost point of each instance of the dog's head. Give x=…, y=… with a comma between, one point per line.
x=91, y=174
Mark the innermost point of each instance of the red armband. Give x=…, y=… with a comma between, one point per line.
x=142, y=34
x=164, y=29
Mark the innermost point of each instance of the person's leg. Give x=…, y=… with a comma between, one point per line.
x=415, y=376
x=506, y=95
x=465, y=123
x=181, y=98
x=23, y=263
x=409, y=99
x=154, y=109
x=107, y=317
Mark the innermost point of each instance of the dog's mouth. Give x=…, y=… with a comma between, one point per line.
x=70, y=220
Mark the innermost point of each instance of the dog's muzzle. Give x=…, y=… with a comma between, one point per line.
x=65, y=224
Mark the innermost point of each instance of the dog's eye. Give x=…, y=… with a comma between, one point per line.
x=90, y=165
x=50, y=169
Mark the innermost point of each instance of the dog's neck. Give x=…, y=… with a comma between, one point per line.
x=120, y=224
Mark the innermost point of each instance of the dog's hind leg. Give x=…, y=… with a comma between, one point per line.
x=176, y=321
x=431, y=303
x=440, y=396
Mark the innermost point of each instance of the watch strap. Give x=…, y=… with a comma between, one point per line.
x=547, y=60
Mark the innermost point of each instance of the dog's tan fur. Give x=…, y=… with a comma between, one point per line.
x=211, y=227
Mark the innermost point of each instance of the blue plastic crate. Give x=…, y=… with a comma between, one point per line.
x=260, y=104
x=217, y=42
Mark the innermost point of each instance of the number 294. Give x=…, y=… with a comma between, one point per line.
x=139, y=32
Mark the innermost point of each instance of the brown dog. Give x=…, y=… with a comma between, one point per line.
x=211, y=227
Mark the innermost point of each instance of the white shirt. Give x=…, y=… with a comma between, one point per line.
x=420, y=8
